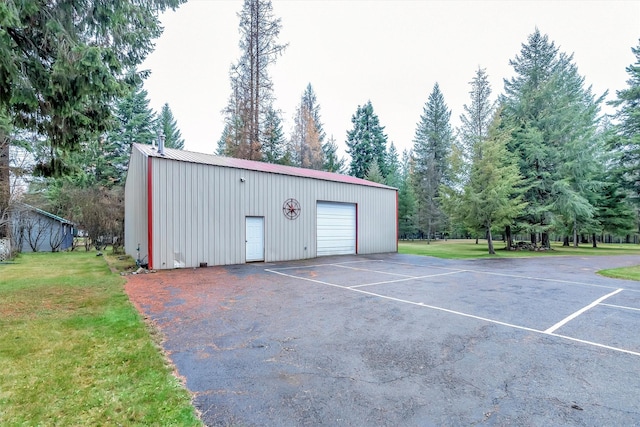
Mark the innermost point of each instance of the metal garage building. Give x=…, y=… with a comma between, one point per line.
x=183, y=209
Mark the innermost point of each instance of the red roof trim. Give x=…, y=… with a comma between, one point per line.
x=209, y=159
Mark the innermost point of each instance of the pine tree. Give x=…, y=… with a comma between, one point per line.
x=332, y=163
x=374, y=174
x=366, y=142
x=478, y=114
x=406, y=198
x=432, y=146
x=251, y=85
x=135, y=123
x=64, y=63
x=307, y=135
x=394, y=168
x=493, y=197
x=554, y=120
x=627, y=142
x=274, y=146
x=167, y=124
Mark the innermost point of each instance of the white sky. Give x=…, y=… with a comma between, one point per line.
x=389, y=52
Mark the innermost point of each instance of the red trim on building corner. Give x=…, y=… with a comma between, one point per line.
x=397, y=222
x=149, y=214
x=357, y=229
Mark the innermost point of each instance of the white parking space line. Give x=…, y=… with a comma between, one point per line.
x=372, y=271
x=304, y=278
x=621, y=306
x=515, y=276
x=329, y=264
x=548, y=332
x=405, y=280
x=595, y=344
x=579, y=312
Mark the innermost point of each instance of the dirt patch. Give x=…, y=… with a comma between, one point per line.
x=185, y=292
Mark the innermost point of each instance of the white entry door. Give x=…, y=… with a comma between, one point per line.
x=254, y=238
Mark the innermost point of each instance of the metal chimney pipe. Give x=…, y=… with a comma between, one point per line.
x=161, y=143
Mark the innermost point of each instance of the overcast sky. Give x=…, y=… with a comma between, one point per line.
x=389, y=52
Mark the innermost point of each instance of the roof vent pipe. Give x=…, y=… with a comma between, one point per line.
x=161, y=143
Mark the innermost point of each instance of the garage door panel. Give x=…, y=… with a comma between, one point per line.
x=336, y=228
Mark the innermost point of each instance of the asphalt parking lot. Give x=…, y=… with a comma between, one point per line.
x=403, y=340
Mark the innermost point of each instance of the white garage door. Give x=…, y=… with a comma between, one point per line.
x=336, y=232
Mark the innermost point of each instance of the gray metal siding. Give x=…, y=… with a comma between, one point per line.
x=199, y=214
x=135, y=211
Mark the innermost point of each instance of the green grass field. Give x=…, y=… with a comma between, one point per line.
x=74, y=351
x=461, y=249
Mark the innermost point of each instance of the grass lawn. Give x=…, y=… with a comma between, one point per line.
x=74, y=351
x=460, y=249
x=629, y=273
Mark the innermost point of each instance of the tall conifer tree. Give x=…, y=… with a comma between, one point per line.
x=478, y=113
x=251, y=85
x=431, y=148
x=168, y=125
x=308, y=135
x=274, y=147
x=366, y=142
x=332, y=163
x=627, y=140
x=135, y=123
x=554, y=118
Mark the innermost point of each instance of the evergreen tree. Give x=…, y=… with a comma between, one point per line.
x=554, y=120
x=310, y=102
x=169, y=127
x=394, y=168
x=307, y=135
x=406, y=198
x=107, y=160
x=616, y=214
x=478, y=114
x=274, y=146
x=225, y=139
x=366, y=142
x=374, y=174
x=64, y=63
x=492, y=198
x=431, y=150
x=251, y=86
x=627, y=142
x=332, y=163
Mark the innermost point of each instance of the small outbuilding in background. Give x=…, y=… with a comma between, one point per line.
x=185, y=209
x=36, y=230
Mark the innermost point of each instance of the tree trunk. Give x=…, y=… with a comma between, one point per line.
x=565, y=242
x=5, y=187
x=507, y=233
x=490, y=241
x=575, y=233
x=595, y=244
x=545, y=241
x=534, y=239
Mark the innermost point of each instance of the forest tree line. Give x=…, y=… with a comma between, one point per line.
x=539, y=159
